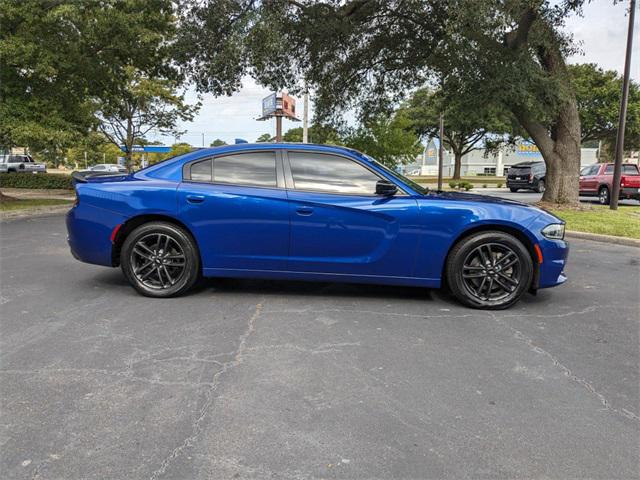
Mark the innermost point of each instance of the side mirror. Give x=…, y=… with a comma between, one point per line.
x=386, y=188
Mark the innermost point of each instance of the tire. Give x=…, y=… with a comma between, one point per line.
x=603, y=196
x=160, y=260
x=513, y=190
x=488, y=287
x=541, y=187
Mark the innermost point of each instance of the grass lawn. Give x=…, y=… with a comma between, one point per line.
x=20, y=204
x=624, y=222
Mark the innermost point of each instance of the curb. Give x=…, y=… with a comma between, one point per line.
x=33, y=213
x=597, y=237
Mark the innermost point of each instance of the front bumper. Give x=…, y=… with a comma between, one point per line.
x=554, y=260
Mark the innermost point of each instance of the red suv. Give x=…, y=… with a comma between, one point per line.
x=597, y=180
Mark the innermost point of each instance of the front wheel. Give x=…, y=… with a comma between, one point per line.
x=603, y=196
x=160, y=259
x=489, y=270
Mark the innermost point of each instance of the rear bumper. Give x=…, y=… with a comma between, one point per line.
x=520, y=184
x=89, y=234
x=630, y=192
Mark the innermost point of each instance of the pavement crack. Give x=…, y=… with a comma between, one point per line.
x=567, y=371
x=238, y=358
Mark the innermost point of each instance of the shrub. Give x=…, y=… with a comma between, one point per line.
x=453, y=185
x=37, y=181
x=499, y=185
x=484, y=185
x=466, y=185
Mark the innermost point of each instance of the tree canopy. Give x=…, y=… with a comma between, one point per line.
x=367, y=54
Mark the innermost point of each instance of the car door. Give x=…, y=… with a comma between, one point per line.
x=340, y=226
x=589, y=182
x=236, y=206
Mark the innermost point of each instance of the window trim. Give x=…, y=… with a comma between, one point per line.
x=280, y=182
x=290, y=185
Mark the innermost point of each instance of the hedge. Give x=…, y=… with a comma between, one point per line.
x=38, y=181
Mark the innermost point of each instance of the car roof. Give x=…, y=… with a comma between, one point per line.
x=527, y=164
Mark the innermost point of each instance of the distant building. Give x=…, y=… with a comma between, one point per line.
x=479, y=162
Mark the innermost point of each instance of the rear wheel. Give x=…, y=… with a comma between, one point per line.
x=603, y=196
x=160, y=260
x=541, y=187
x=513, y=190
x=490, y=270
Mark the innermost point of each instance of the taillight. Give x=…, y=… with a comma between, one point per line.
x=530, y=177
x=622, y=182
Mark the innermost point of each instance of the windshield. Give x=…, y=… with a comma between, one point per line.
x=416, y=186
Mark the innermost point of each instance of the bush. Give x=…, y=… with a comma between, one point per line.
x=484, y=185
x=466, y=185
x=37, y=181
x=499, y=185
x=453, y=185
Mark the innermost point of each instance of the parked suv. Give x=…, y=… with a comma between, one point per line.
x=527, y=175
x=20, y=164
x=597, y=180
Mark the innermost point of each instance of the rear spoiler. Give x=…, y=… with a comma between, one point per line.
x=86, y=177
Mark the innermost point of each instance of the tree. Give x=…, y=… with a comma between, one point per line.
x=57, y=56
x=598, y=96
x=320, y=134
x=466, y=122
x=217, y=143
x=368, y=53
x=137, y=106
x=180, y=149
x=264, y=138
x=390, y=140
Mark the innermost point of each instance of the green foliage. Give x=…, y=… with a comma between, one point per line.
x=465, y=185
x=320, y=134
x=57, y=57
x=499, y=185
x=484, y=185
x=180, y=149
x=389, y=140
x=217, y=143
x=37, y=181
x=266, y=138
x=598, y=94
x=453, y=185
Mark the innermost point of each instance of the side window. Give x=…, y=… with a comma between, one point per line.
x=202, y=171
x=609, y=170
x=328, y=173
x=254, y=168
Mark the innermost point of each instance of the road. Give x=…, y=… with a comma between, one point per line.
x=248, y=379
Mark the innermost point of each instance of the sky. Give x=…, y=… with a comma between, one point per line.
x=601, y=33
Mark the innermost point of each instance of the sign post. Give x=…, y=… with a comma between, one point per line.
x=279, y=106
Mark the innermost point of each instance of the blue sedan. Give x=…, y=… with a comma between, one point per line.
x=309, y=212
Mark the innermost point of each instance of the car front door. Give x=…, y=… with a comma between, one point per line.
x=236, y=206
x=340, y=226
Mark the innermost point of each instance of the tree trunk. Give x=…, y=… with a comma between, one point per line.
x=457, y=164
x=560, y=151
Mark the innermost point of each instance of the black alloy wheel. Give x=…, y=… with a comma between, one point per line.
x=160, y=260
x=603, y=196
x=489, y=270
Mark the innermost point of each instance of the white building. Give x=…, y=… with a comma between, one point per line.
x=479, y=162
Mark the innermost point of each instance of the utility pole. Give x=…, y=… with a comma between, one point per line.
x=441, y=153
x=85, y=160
x=617, y=170
x=305, y=118
x=203, y=139
x=278, y=128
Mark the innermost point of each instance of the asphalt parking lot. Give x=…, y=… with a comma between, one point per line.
x=247, y=379
x=528, y=196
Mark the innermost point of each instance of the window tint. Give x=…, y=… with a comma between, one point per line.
x=629, y=170
x=201, y=171
x=609, y=170
x=328, y=173
x=255, y=168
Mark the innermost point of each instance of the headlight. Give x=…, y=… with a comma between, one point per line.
x=555, y=231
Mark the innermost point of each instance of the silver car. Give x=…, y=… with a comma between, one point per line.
x=20, y=164
x=107, y=167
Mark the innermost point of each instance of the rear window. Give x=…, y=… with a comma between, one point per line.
x=629, y=170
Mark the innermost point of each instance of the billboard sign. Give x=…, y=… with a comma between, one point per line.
x=269, y=105
x=288, y=105
x=528, y=149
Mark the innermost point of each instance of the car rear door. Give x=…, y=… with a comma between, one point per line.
x=589, y=181
x=236, y=206
x=340, y=226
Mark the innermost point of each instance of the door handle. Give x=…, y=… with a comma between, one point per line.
x=195, y=198
x=304, y=210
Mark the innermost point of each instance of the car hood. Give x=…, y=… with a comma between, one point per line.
x=474, y=197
